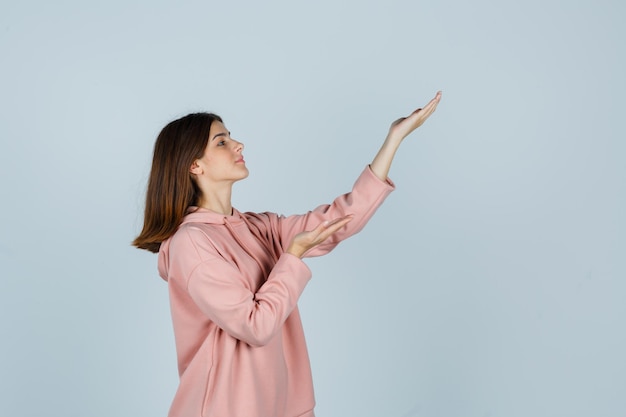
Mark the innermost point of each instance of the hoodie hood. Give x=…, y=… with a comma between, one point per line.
x=204, y=216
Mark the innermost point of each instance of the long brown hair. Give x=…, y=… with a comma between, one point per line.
x=171, y=187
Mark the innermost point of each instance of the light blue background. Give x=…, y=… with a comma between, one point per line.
x=491, y=283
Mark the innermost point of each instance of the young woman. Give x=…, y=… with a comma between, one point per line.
x=234, y=278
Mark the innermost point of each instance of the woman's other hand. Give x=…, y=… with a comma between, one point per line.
x=307, y=240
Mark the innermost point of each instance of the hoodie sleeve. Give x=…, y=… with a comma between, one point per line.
x=219, y=291
x=367, y=194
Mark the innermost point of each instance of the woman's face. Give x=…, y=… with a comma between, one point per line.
x=222, y=161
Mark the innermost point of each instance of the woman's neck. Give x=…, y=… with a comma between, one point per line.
x=217, y=200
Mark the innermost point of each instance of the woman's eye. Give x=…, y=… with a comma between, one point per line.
x=221, y=143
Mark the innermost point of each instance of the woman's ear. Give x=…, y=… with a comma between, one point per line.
x=195, y=168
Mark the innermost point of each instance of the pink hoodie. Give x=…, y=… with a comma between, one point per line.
x=233, y=296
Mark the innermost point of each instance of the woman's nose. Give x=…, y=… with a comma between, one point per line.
x=238, y=146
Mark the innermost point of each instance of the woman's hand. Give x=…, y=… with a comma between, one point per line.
x=305, y=241
x=402, y=127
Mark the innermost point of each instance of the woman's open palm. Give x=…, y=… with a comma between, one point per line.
x=402, y=127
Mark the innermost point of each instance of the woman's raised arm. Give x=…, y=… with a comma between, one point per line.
x=401, y=128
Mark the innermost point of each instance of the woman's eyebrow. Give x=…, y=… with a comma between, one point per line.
x=217, y=135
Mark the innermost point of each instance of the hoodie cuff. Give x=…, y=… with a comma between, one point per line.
x=367, y=172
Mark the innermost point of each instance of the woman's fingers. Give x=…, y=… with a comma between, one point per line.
x=326, y=229
x=428, y=109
